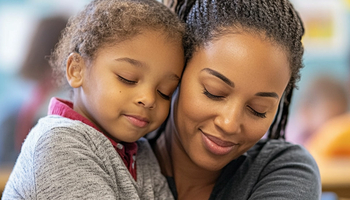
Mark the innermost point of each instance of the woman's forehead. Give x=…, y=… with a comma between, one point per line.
x=245, y=56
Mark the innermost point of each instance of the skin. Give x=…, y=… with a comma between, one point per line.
x=126, y=89
x=229, y=95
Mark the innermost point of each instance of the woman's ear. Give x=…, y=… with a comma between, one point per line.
x=75, y=70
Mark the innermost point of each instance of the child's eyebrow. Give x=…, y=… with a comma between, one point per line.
x=138, y=63
x=134, y=62
x=174, y=77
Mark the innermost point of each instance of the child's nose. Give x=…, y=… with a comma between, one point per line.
x=147, y=99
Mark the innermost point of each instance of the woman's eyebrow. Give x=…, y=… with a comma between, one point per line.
x=220, y=76
x=267, y=94
x=231, y=84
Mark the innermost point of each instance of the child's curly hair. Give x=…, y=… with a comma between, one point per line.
x=108, y=22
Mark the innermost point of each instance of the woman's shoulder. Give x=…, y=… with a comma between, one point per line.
x=278, y=152
x=268, y=146
x=270, y=169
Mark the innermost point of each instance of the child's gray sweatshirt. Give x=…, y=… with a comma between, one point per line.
x=67, y=159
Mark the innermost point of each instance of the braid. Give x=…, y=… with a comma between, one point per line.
x=207, y=20
x=278, y=126
x=182, y=7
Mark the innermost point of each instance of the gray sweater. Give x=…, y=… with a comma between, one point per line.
x=270, y=170
x=67, y=159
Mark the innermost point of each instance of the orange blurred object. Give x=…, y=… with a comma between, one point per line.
x=332, y=140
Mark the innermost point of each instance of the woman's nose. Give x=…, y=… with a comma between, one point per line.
x=229, y=120
x=146, y=99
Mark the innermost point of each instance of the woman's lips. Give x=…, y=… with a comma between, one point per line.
x=216, y=145
x=137, y=121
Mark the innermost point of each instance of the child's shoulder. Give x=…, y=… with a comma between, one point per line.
x=58, y=130
x=142, y=142
x=55, y=123
x=143, y=145
x=145, y=153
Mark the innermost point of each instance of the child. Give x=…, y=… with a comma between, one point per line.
x=123, y=59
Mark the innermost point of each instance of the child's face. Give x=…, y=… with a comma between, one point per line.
x=126, y=91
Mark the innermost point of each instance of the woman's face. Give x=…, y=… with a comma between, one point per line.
x=229, y=95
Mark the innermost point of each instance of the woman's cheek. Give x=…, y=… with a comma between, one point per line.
x=193, y=105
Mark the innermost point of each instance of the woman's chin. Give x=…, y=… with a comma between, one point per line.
x=210, y=164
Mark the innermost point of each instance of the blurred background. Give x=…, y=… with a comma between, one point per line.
x=319, y=114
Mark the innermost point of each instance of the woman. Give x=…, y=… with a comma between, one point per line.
x=243, y=62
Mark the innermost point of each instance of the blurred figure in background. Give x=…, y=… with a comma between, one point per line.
x=330, y=146
x=321, y=123
x=20, y=112
x=324, y=99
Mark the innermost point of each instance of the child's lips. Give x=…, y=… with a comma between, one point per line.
x=138, y=121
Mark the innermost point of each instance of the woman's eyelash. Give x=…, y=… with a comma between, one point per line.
x=124, y=80
x=261, y=115
x=215, y=97
x=211, y=96
x=166, y=97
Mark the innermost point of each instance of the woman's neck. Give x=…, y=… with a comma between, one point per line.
x=192, y=181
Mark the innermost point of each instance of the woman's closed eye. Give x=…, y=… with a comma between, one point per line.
x=261, y=115
x=212, y=96
x=126, y=81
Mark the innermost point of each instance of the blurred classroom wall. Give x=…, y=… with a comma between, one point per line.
x=326, y=41
x=325, y=79
x=28, y=31
x=317, y=110
x=18, y=19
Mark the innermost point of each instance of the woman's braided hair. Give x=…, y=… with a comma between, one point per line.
x=109, y=22
x=209, y=19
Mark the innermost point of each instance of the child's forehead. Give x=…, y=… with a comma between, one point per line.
x=138, y=35
x=141, y=38
x=148, y=53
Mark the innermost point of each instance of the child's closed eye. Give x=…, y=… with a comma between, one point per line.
x=126, y=81
x=164, y=96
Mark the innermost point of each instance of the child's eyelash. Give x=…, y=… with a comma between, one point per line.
x=129, y=82
x=166, y=97
x=261, y=115
x=126, y=80
x=211, y=96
